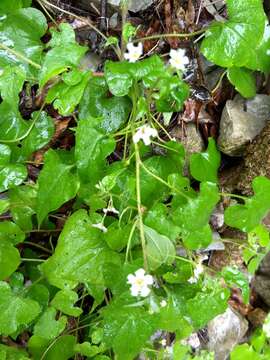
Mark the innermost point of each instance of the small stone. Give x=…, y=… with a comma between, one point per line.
x=257, y=317
x=90, y=61
x=241, y=121
x=261, y=282
x=189, y=136
x=113, y=21
x=224, y=332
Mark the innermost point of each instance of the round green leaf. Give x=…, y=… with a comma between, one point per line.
x=243, y=80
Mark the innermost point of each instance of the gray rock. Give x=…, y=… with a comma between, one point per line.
x=241, y=121
x=212, y=72
x=261, y=282
x=224, y=332
x=189, y=136
x=90, y=61
x=134, y=5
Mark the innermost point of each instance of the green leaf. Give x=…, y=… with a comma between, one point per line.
x=243, y=81
x=193, y=216
x=9, y=6
x=233, y=276
x=197, y=239
x=204, y=166
x=61, y=348
x=152, y=189
x=159, y=248
x=65, y=97
x=127, y=329
x=246, y=217
x=117, y=237
x=120, y=75
x=4, y=206
x=15, y=311
x=9, y=259
x=66, y=35
x=262, y=60
x=170, y=317
x=49, y=328
x=11, y=353
x=11, y=232
x=23, y=200
x=92, y=148
x=172, y=94
x=244, y=352
x=89, y=350
x=11, y=176
x=5, y=153
x=39, y=136
x=21, y=31
x=57, y=180
x=65, y=54
x=98, y=103
x=64, y=301
x=80, y=254
x=164, y=225
x=205, y=306
x=11, y=82
x=234, y=42
x=129, y=31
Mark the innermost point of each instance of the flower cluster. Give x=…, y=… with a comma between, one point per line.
x=178, y=59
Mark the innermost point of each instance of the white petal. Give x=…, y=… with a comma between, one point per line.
x=146, y=140
x=153, y=132
x=145, y=291
x=140, y=273
x=193, y=280
x=136, y=137
x=173, y=53
x=127, y=56
x=149, y=280
x=163, y=303
x=134, y=290
x=131, y=279
x=130, y=47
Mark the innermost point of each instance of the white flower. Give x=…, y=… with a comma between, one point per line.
x=266, y=326
x=198, y=270
x=163, y=303
x=178, y=59
x=163, y=342
x=100, y=226
x=145, y=133
x=111, y=209
x=134, y=52
x=139, y=283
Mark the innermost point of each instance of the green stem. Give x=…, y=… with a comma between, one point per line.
x=38, y=246
x=20, y=56
x=233, y=195
x=32, y=260
x=27, y=132
x=219, y=82
x=129, y=240
x=139, y=205
x=177, y=35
